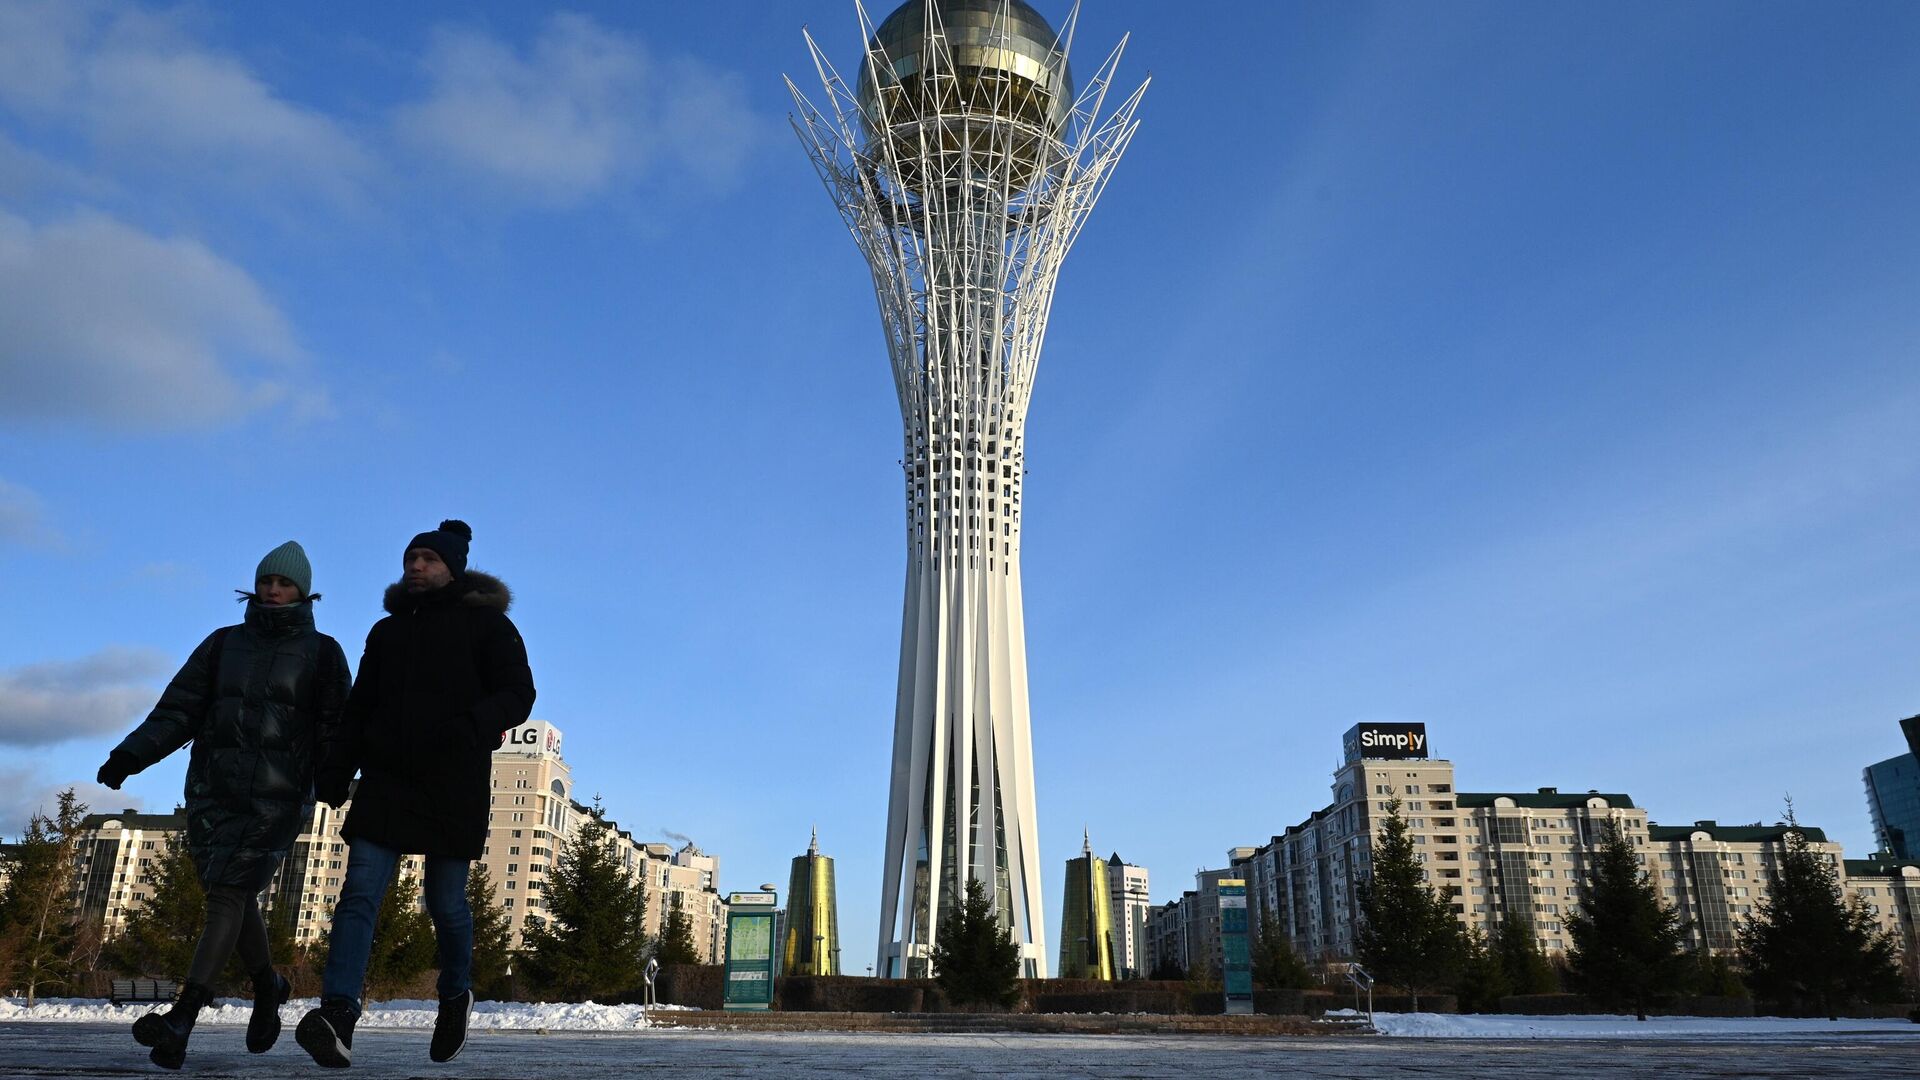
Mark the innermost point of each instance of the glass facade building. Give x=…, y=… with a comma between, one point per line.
x=1893, y=798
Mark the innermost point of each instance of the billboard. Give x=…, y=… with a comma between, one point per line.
x=750, y=959
x=533, y=737
x=1393, y=742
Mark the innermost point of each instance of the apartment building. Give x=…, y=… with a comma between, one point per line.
x=532, y=813
x=1167, y=934
x=1127, y=891
x=1523, y=855
x=115, y=860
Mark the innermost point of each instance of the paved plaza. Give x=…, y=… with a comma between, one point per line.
x=103, y=1050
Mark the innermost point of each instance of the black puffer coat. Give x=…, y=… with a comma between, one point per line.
x=444, y=676
x=260, y=716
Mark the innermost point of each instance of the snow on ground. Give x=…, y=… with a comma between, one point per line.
x=588, y=1016
x=1492, y=1026
x=489, y=1015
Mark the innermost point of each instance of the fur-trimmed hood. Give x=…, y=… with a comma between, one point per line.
x=475, y=589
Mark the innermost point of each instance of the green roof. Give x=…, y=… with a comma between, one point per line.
x=1733, y=834
x=1879, y=864
x=176, y=819
x=1543, y=799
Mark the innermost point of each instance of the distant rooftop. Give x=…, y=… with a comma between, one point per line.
x=1545, y=798
x=1756, y=833
x=134, y=819
x=1878, y=864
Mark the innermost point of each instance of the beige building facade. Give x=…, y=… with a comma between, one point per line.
x=1506, y=855
x=532, y=812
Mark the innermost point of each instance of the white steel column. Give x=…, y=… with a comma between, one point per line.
x=964, y=165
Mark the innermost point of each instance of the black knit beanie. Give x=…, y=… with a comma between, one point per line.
x=449, y=542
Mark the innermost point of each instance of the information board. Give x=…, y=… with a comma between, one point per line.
x=1235, y=957
x=750, y=958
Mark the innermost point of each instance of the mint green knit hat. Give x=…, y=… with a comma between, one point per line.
x=289, y=560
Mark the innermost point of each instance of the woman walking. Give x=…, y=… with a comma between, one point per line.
x=261, y=704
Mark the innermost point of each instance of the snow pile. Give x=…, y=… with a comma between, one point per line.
x=1495, y=1026
x=487, y=1015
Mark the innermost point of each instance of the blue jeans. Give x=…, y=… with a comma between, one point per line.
x=370, y=870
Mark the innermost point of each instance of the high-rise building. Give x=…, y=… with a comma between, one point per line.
x=532, y=815
x=1086, y=919
x=1506, y=857
x=115, y=861
x=964, y=164
x=1127, y=886
x=810, y=930
x=1893, y=801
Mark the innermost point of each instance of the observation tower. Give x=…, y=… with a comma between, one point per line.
x=964, y=161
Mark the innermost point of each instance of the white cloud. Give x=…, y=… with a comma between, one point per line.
x=582, y=110
x=25, y=792
x=134, y=82
x=59, y=700
x=25, y=173
x=113, y=325
x=22, y=518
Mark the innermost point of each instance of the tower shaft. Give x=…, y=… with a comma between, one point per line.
x=963, y=185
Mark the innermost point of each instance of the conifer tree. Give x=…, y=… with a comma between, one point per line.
x=1714, y=976
x=675, y=944
x=1805, y=948
x=592, y=940
x=1628, y=947
x=1407, y=935
x=974, y=958
x=492, y=935
x=1526, y=969
x=1483, y=979
x=1275, y=965
x=40, y=931
x=403, y=941
x=160, y=934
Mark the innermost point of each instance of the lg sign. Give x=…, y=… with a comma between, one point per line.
x=533, y=737
x=1391, y=741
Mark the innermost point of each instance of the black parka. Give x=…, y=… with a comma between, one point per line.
x=260, y=716
x=444, y=676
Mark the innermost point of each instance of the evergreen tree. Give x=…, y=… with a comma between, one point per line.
x=403, y=941
x=675, y=944
x=161, y=932
x=1805, y=947
x=1483, y=978
x=1714, y=976
x=1275, y=965
x=974, y=959
x=593, y=939
x=1407, y=935
x=1526, y=969
x=1165, y=969
x=40, y=931
x=492, y=935
x=1628, y=947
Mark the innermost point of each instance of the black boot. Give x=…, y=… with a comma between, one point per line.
x=450, y=1027
x=270, y=991
x=167, y=1032
x=327, y=1032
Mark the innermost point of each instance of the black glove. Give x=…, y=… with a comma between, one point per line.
x=119, y=766
x=333, y=788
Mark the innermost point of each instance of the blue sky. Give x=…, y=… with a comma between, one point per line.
x=1545, y=373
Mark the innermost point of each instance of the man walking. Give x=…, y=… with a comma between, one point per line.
x=443, y=677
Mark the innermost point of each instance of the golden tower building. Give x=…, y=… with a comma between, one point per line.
x=811, y=942
x=1086, y=918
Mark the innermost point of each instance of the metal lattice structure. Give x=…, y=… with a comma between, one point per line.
x=965, y=165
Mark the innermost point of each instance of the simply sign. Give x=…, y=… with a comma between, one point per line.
x=1391, y=741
